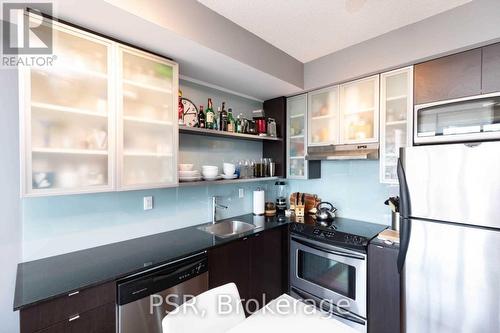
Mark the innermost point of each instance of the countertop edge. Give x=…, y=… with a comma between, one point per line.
x=221, y=241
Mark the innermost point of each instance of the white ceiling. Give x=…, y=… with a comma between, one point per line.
x=309, y=29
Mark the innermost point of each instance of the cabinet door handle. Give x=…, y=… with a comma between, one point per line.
x=75, y=317
x=74, y=293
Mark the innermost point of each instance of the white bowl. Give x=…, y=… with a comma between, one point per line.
x=186, y=167
x=211, y=167
x=210, y=173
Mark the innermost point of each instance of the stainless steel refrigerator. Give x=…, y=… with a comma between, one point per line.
x=449, y=256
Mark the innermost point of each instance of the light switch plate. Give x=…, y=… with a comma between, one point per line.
x=241, y=193
x=148, y=203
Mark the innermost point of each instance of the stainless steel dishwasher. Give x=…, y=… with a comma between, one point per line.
x=188, y=276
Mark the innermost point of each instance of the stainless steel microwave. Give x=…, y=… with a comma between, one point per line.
x=475, y=118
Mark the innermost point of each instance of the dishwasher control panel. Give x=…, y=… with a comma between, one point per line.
x=201, y=267
x=157, y=279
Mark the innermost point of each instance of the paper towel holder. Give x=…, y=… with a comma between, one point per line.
x=259, y=201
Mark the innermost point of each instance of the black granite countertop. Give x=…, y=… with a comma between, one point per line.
x=47, y=278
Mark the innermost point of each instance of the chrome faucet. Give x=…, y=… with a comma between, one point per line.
x=215, y=205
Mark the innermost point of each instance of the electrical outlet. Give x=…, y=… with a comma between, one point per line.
x=241, y=193
x=148, y=203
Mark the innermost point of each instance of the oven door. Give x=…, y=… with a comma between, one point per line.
x=330, y=273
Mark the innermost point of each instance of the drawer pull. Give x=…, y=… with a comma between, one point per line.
x=74, y=318
x=73, y=293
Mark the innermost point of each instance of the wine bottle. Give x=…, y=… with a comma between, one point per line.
x=223, y=118
x=201, y=117
x=210, y=116
x=231, y=125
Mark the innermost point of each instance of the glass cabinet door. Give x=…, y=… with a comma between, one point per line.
x=359, y=105
x=323, y=120
x=147, y=120
x=67, y=124
x=296, y=137
x=396, y=119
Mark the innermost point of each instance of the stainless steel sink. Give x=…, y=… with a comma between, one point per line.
x=227, y=228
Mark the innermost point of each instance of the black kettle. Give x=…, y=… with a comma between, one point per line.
x=325, y=211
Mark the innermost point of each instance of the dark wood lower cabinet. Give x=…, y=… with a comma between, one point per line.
x=230, y=263
x=254, y=264
x=99, y=320
x=383, y=288
x=266, y=270
x=87, y=310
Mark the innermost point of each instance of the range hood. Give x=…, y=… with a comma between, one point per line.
x=368, y=151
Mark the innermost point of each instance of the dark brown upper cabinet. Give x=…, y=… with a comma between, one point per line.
x=491, y=69
x=454, y=76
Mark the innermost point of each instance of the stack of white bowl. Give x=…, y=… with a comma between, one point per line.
x=229, y=171
x=187, y=174
x=210, y=172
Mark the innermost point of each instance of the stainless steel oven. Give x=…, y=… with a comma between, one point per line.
x=323, y=272
x=475, y=118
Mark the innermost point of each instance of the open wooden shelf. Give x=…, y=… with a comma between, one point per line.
x=240, y=136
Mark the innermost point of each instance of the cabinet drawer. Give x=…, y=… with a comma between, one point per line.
x=45, y=314
x=99, y=320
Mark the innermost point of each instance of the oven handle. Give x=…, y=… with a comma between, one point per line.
x=318, y=248
x=305, y=295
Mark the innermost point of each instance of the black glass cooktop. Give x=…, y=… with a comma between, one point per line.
x=342, y=231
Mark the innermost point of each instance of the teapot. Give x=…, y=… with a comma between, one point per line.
x=325, y=211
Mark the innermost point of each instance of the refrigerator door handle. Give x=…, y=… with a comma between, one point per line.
x=404, y=242
x=405, y=212
x=404, y=194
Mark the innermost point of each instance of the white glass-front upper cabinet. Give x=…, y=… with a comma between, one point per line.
x=296, y=137
x=396, y=109
x=67, y=119
x=147, y=121
x=323, y=116
x=359, y=111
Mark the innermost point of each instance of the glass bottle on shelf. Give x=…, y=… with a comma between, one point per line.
x=210, y=115
x=217, y=119
x=231, y=125
x=201, y=117
x=223, y=118
x=239, y=123
x=181, y=109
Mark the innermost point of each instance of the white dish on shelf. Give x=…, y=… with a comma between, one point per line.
x=190, y=179
x=230, y=176
x=185, y=167
x=189, y=173
x=212, y=178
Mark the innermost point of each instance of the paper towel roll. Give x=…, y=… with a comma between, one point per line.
x=258, y=202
